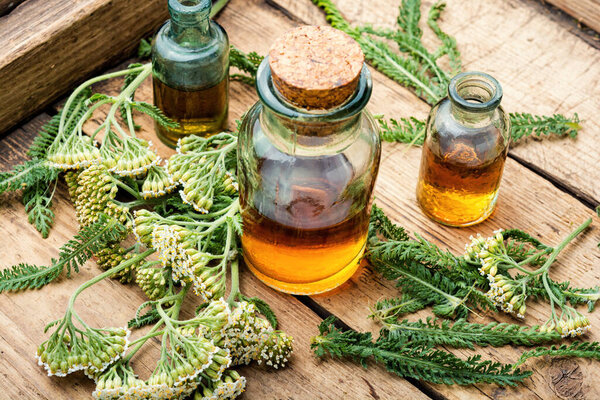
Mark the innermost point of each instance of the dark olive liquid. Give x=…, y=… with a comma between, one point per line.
x=200, y=112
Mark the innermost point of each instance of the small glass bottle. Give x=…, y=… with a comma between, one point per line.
x=308, y=157
x=190, y=64
x=467, y=140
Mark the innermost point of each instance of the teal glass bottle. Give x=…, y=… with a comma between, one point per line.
x=190, y=71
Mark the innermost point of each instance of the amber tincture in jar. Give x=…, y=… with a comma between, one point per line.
x=190, y=65
x=308, y=158
x=467, y=139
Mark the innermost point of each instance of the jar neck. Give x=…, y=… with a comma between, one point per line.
x=190, y=21
x=474, y=98
x=307, y=132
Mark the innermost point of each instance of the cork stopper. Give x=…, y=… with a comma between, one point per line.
x=316, y=67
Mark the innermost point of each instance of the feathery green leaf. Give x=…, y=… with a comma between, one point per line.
x=263, y=308
x=38, y=205
x=575, y=349
x=149, y=317
x=72, y=255
x=390, y=310
x=525, y=124
x=418, y=362
x=154, y=112
x=406, y=130
x=245, y=62
x=462, y=334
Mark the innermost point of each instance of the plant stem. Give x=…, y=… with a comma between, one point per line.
x=562, y=245
x=106, y=274
x=87, y=83
x=235, y=283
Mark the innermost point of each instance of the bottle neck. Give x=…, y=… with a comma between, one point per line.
x=308, y=132
x=190, y=21
x=474, y=98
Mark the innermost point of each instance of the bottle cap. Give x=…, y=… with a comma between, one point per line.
x=316, y=67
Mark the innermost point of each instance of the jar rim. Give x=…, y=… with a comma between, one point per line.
x=270, y=97
x=486, y=83
x=178, y=7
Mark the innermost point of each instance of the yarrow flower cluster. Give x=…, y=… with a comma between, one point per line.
x=157, y=183
x=230, y=386
x=153, y=281
x=93, y=194
x=251, y=338
x=200, y=176
x=134, y=157
x=77, y=151
x=95, y=349
x=507, y=294
x=487, y=251
x=120, y=382
x=113, y=255
x=177, y=249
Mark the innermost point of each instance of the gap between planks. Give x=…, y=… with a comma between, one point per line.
x=584, y=199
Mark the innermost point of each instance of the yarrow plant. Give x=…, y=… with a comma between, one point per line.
x=456, y=286
x=184, y=215
x=510, y=293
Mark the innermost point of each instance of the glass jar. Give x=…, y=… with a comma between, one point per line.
x=467, y=140
x=306, y=176
x=190, y=65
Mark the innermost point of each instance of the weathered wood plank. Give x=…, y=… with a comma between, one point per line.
x=47, y=46
x=23, y=316
x=543, y=69
x=527, y=201
x=306, y=377
x=584, y=11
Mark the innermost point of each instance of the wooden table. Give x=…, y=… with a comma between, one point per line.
x=545, y=63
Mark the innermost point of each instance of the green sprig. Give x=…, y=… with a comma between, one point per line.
x=525, y=124
x=462, y=334
x=412, y=361
x=72, y=255
x=575, y=349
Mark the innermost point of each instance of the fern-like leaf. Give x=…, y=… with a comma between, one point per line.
x=149, y=317
x=245, y=62
x=28, y=174
x=389, y=310
x=418, y=362
x=38, y=205
x=462, y=334
x=406, y=130
x=154, y=112
x=448, y=46
x=525, y=124
x=263, y=308
x=381, y=224
x=145, y=48
x=25, y=276
x=409, y=16
x=72, y=255
x=575, y=349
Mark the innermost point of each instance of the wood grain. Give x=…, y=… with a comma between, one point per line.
x=306, y=377
x=527, y=201
x=584, y=11
x=47, y=46
x=542, y=66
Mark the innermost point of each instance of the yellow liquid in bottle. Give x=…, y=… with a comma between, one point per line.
x=304, y=236
x=200, y=112
x=458, y=189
